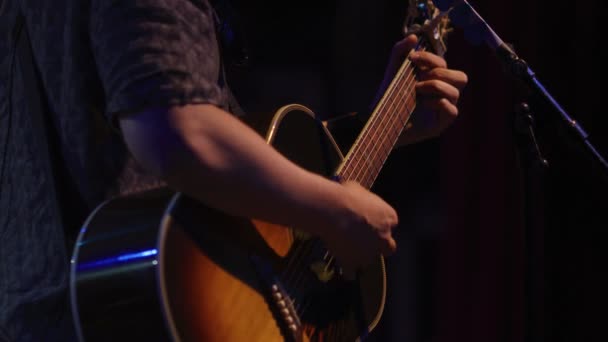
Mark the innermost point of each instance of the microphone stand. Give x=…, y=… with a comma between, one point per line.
x=533, y=163
x=533, y=168
x=477, y=29
x=520, y=70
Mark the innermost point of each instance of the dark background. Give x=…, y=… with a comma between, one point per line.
x=491, y=247
x=499, y=249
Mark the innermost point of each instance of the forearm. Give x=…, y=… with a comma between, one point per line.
x=208, y=154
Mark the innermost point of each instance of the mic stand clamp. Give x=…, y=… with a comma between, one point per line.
x=519, y=69
x=524, y=128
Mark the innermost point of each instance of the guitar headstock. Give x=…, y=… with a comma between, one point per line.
x=430, y=25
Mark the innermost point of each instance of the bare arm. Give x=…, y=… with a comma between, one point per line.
x=208, y=154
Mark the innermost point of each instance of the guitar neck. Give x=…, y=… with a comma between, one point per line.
x=381, y=132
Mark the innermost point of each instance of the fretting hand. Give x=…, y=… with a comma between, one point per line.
x=438, y=89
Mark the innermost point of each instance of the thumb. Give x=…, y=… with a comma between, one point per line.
x=387, y=243
x=404, y=46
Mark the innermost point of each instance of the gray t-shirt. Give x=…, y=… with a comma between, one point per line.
x=101, y=57
x=96, y=58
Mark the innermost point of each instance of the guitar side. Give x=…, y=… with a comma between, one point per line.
x=161, y=266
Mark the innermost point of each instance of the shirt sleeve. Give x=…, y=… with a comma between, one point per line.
x=155, y=53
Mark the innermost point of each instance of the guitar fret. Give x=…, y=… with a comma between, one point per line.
x=379, y=136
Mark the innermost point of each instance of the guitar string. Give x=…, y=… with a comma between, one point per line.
x=384, y=121
x=373, y=152
x=299, y=249
x=297, y=283
x=382, y=107
x=303, y=246
x=409, y=102
x=420, y=46
x=398, y=103
x=361, y=174
x=302, y=307
x=366, y=175
x=364, y=145
x=301, y=310
x=379, y=120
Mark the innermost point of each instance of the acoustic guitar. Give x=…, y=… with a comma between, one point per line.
x=160, y=266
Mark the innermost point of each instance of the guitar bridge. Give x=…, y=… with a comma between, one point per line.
x=279, y=302
x=287, y=312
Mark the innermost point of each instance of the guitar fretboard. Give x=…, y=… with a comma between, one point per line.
x=379, y=136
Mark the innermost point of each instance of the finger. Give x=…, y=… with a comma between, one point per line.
x=439, y=89
x=427, y=60
x=387, y=244
x=404, y=46
x=456, y=78
x=389, y=247
x=445, y=111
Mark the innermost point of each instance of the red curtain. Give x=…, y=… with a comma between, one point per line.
x=502, y=275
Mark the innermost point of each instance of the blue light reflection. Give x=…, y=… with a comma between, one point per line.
x=119, y=259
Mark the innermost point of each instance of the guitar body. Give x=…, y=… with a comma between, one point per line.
x=159, y=266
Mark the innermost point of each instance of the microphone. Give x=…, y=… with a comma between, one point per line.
x=476, y=31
